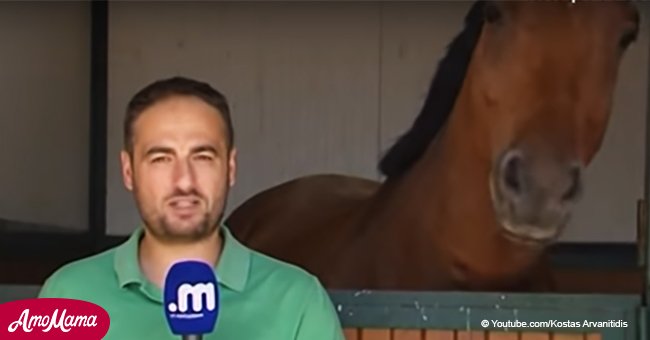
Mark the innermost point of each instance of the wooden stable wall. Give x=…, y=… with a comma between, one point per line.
x=416, y=334
x=386, y=315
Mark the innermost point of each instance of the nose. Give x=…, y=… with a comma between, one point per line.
x=184, y=176
x=537, y=191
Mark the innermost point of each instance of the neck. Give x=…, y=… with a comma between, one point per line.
x=446, y=196
x=156, y=256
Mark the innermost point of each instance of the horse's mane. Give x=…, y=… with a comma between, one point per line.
x=440, y=100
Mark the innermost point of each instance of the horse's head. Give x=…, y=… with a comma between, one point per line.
x=542, y=81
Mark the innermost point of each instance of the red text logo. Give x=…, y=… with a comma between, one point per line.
x=53, y=318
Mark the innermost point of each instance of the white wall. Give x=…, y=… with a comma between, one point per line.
x=302, y=80
x=44, y=91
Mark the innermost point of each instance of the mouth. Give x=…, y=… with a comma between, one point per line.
x=185, y=206
x=529, y=235
x=520, y=233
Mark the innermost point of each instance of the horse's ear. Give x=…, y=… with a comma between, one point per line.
x=486, y=11
x=492, y=12
x=497, y=11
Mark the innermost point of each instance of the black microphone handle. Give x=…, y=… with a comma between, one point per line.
x=192, y=337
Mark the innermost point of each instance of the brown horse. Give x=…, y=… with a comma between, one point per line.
x=486, y=178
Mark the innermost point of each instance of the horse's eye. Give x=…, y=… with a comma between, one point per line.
x=628, y=38
x=492, y=12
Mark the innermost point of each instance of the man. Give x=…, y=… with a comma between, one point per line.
x=179, y=163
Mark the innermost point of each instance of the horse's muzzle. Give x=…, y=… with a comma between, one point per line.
x=534, y=193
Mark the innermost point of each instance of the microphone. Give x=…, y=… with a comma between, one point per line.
x=191, y=299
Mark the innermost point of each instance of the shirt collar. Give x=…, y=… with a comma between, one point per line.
x=231, y=271
x=234, y=263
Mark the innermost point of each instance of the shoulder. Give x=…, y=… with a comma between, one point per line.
x=301, y=296
x=300, y=290
x=283, y=274
x=79, y=275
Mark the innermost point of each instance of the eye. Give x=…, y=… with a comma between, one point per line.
x=627, y=39
x=204, y=157
x=160, y=159
x=492, y=12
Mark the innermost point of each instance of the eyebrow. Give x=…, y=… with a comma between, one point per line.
x=204, y=148
x=158, y=149
x=168, y=150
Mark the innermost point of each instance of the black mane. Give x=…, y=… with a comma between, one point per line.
x=440, y=100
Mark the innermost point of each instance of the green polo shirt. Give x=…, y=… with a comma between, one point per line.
x=260, y=297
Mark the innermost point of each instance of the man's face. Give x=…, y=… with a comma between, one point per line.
x=181, y=169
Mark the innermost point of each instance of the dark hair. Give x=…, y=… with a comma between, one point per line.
x=176, y=86
x=440, y=100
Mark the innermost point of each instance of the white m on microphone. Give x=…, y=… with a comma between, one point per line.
x=196, y=293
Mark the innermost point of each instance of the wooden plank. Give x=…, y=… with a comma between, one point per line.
x=502, y=335
x=535, y=336
x=439, y=335
x=374, y=334
x=471, y=335
x=351, y=334
x=586, y=280
x=568, y=336
x=407, y=334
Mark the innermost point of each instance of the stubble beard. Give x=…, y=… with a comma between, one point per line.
x=166, y=232
x=163, y=230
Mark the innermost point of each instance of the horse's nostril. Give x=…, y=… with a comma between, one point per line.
x=512, y=173
x=574, y=185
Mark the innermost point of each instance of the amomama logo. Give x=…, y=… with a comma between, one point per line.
x=195, y=294
x=53, y=318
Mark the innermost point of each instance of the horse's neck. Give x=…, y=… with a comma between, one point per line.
x=443, y=203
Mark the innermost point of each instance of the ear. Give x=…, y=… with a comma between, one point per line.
x=232, y=166
x=127, y=170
